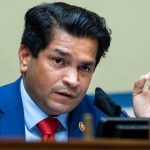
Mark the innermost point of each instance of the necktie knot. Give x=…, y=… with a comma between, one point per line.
x=48, y=127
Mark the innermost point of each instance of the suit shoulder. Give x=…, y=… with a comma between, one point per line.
x=8, y=86
x=88, y=103
x=89, y=99
x=9, y=93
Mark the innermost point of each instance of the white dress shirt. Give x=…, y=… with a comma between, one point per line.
x=33, y=114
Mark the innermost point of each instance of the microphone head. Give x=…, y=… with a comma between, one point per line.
x=106, y=104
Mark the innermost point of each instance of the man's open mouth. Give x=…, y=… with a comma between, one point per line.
x=67, y=94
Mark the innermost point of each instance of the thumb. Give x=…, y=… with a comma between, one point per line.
x=138, y=86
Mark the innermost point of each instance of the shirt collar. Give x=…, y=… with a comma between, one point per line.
x=33, y=114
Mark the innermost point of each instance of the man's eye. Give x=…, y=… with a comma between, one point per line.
x=85, y=68
x=59, y=61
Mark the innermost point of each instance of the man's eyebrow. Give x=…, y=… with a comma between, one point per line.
x=61, y=52
x=84, y=63
x=88, y=63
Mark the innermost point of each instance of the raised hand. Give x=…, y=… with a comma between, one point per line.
x=141, y=97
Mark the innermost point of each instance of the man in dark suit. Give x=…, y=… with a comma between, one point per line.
x=60, y=49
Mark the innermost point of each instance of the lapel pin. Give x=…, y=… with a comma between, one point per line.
x=81, y=126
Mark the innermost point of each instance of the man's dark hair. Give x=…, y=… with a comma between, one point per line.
x=41, y=20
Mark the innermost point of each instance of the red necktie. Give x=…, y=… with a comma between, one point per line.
x=48, y=127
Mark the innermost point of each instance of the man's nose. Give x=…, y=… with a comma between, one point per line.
x=71, y=77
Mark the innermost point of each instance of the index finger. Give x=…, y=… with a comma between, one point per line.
x=140, y=83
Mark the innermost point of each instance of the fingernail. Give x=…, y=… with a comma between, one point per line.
x=147, y=76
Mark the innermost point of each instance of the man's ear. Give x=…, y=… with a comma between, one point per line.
x=24, y=58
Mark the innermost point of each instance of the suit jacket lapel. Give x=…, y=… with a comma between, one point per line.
x=74, y=130
x=74, y=121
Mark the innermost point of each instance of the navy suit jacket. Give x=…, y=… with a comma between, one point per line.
x=12, y=117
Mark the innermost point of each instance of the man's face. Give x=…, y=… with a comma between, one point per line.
x=58, y=79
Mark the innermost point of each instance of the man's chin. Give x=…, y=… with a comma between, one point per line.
x=58, y=111
x=60, y=108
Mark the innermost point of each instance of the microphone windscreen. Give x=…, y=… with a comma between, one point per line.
x=106, y=104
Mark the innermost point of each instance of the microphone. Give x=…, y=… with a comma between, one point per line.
x=107, y=105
